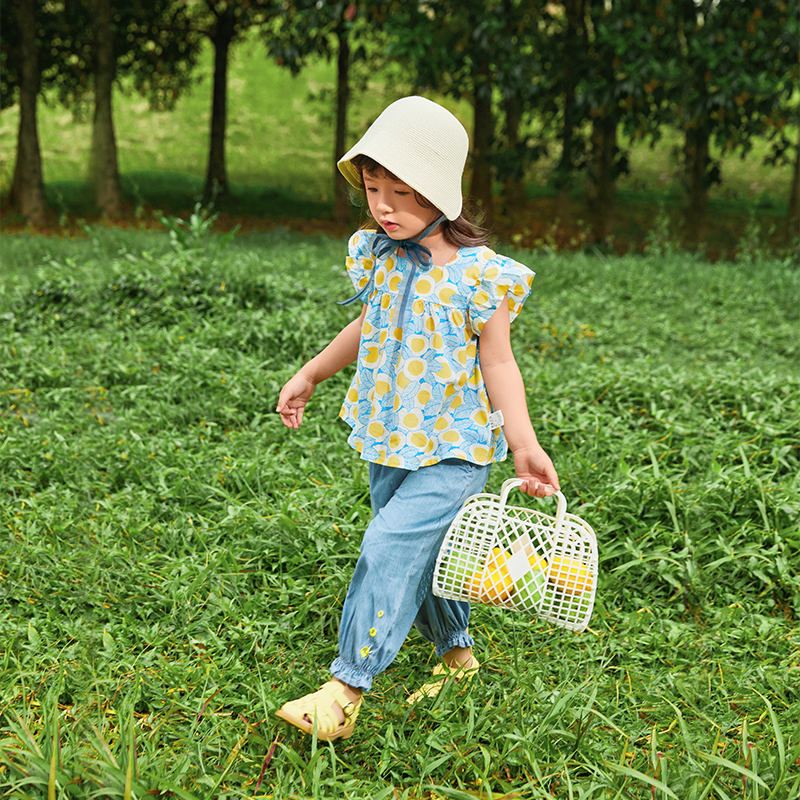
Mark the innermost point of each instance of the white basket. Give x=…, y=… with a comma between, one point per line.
x=520, y=559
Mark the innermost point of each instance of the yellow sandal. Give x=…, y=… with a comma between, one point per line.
x=443, y=673
x=320, y=703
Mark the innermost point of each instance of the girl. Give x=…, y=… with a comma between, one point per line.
x=436, y=398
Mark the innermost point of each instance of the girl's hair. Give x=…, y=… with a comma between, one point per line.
x=460, y=232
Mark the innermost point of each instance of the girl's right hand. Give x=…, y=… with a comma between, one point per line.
x=293, y=398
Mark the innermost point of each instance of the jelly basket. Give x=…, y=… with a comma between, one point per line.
x=520, y=559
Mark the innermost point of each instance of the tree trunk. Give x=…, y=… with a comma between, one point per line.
x=601, y=186
x=514, y=186
x=217, y=173
x=695, y=152
x=103, y=166
x=341, y=193
x=793, y=219
x=483, y=131
x=573, y=38
x=27, y=189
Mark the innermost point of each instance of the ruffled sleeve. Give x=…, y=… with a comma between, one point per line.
x=360, y=261
x=499, y=276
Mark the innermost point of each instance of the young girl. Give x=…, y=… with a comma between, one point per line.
x=436, y=398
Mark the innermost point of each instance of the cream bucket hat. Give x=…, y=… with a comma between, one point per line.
x=420, y=142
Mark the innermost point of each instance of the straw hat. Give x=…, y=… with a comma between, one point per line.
x=423, y=144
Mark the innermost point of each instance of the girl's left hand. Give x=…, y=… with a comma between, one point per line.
x=534, y=467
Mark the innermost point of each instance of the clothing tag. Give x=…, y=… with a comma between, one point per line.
x=496, y=420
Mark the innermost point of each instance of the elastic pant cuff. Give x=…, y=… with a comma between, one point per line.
x=351, y=675
x=458, y=639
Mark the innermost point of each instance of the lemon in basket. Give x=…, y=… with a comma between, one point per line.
x=570, y=576
x=493, y=584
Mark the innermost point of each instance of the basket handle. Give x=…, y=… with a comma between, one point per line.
x=513, y=483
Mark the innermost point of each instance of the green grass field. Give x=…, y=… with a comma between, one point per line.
x=174, y=561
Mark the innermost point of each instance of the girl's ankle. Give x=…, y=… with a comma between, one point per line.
x=353, y=694
x=458, y=657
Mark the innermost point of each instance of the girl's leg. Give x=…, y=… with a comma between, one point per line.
x=443, y=622
x=392, y=578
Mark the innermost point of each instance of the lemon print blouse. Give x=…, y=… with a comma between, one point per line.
x=417, y=396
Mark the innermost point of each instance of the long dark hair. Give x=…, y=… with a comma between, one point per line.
x=460, y=232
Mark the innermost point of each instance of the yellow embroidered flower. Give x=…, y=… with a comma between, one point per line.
x=364, y=652
x=380, y=613
x=372, y=632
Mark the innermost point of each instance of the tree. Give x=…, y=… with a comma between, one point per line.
x=474, y=50
x=731, y=81
x=343, y=30
x=224, y=22
x=89, y=42
x=27, y=189
x=103, y=163
x=617, y=90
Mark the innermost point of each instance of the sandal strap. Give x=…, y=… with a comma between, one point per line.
x=443, y=673
x=321, y=703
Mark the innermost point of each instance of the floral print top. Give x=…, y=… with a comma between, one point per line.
x=418, y=396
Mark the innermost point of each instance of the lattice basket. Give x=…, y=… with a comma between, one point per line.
x=520, y=559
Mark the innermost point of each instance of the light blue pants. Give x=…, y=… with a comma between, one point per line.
x=391, y=586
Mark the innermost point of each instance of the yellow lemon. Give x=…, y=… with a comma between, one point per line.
x=412, y=420
x=373, y=353
x=424, y=285
x=415, y=367
x=480, y=454
x=419, y=440
x=494, y=584
x=445, y=373
x=569, y=575
x=376, y=429
x=473, y=272
x=417, y=344
x=446, y=294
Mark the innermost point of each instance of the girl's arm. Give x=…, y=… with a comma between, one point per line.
x=507, y=394
x=343, y=350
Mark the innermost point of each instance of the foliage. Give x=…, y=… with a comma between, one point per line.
x=151, y=44
x=193, y=234
x=173, y=560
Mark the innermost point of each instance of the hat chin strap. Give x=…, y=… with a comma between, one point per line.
x=417, y=254
x=383, y=244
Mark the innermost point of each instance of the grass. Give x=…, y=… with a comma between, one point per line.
x=173, y=560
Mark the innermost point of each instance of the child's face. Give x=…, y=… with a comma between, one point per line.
x=394, y=206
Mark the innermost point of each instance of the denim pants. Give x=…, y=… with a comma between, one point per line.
x=391, y=587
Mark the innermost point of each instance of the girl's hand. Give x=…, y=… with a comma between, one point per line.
x=293, y=398
x=533, y=466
